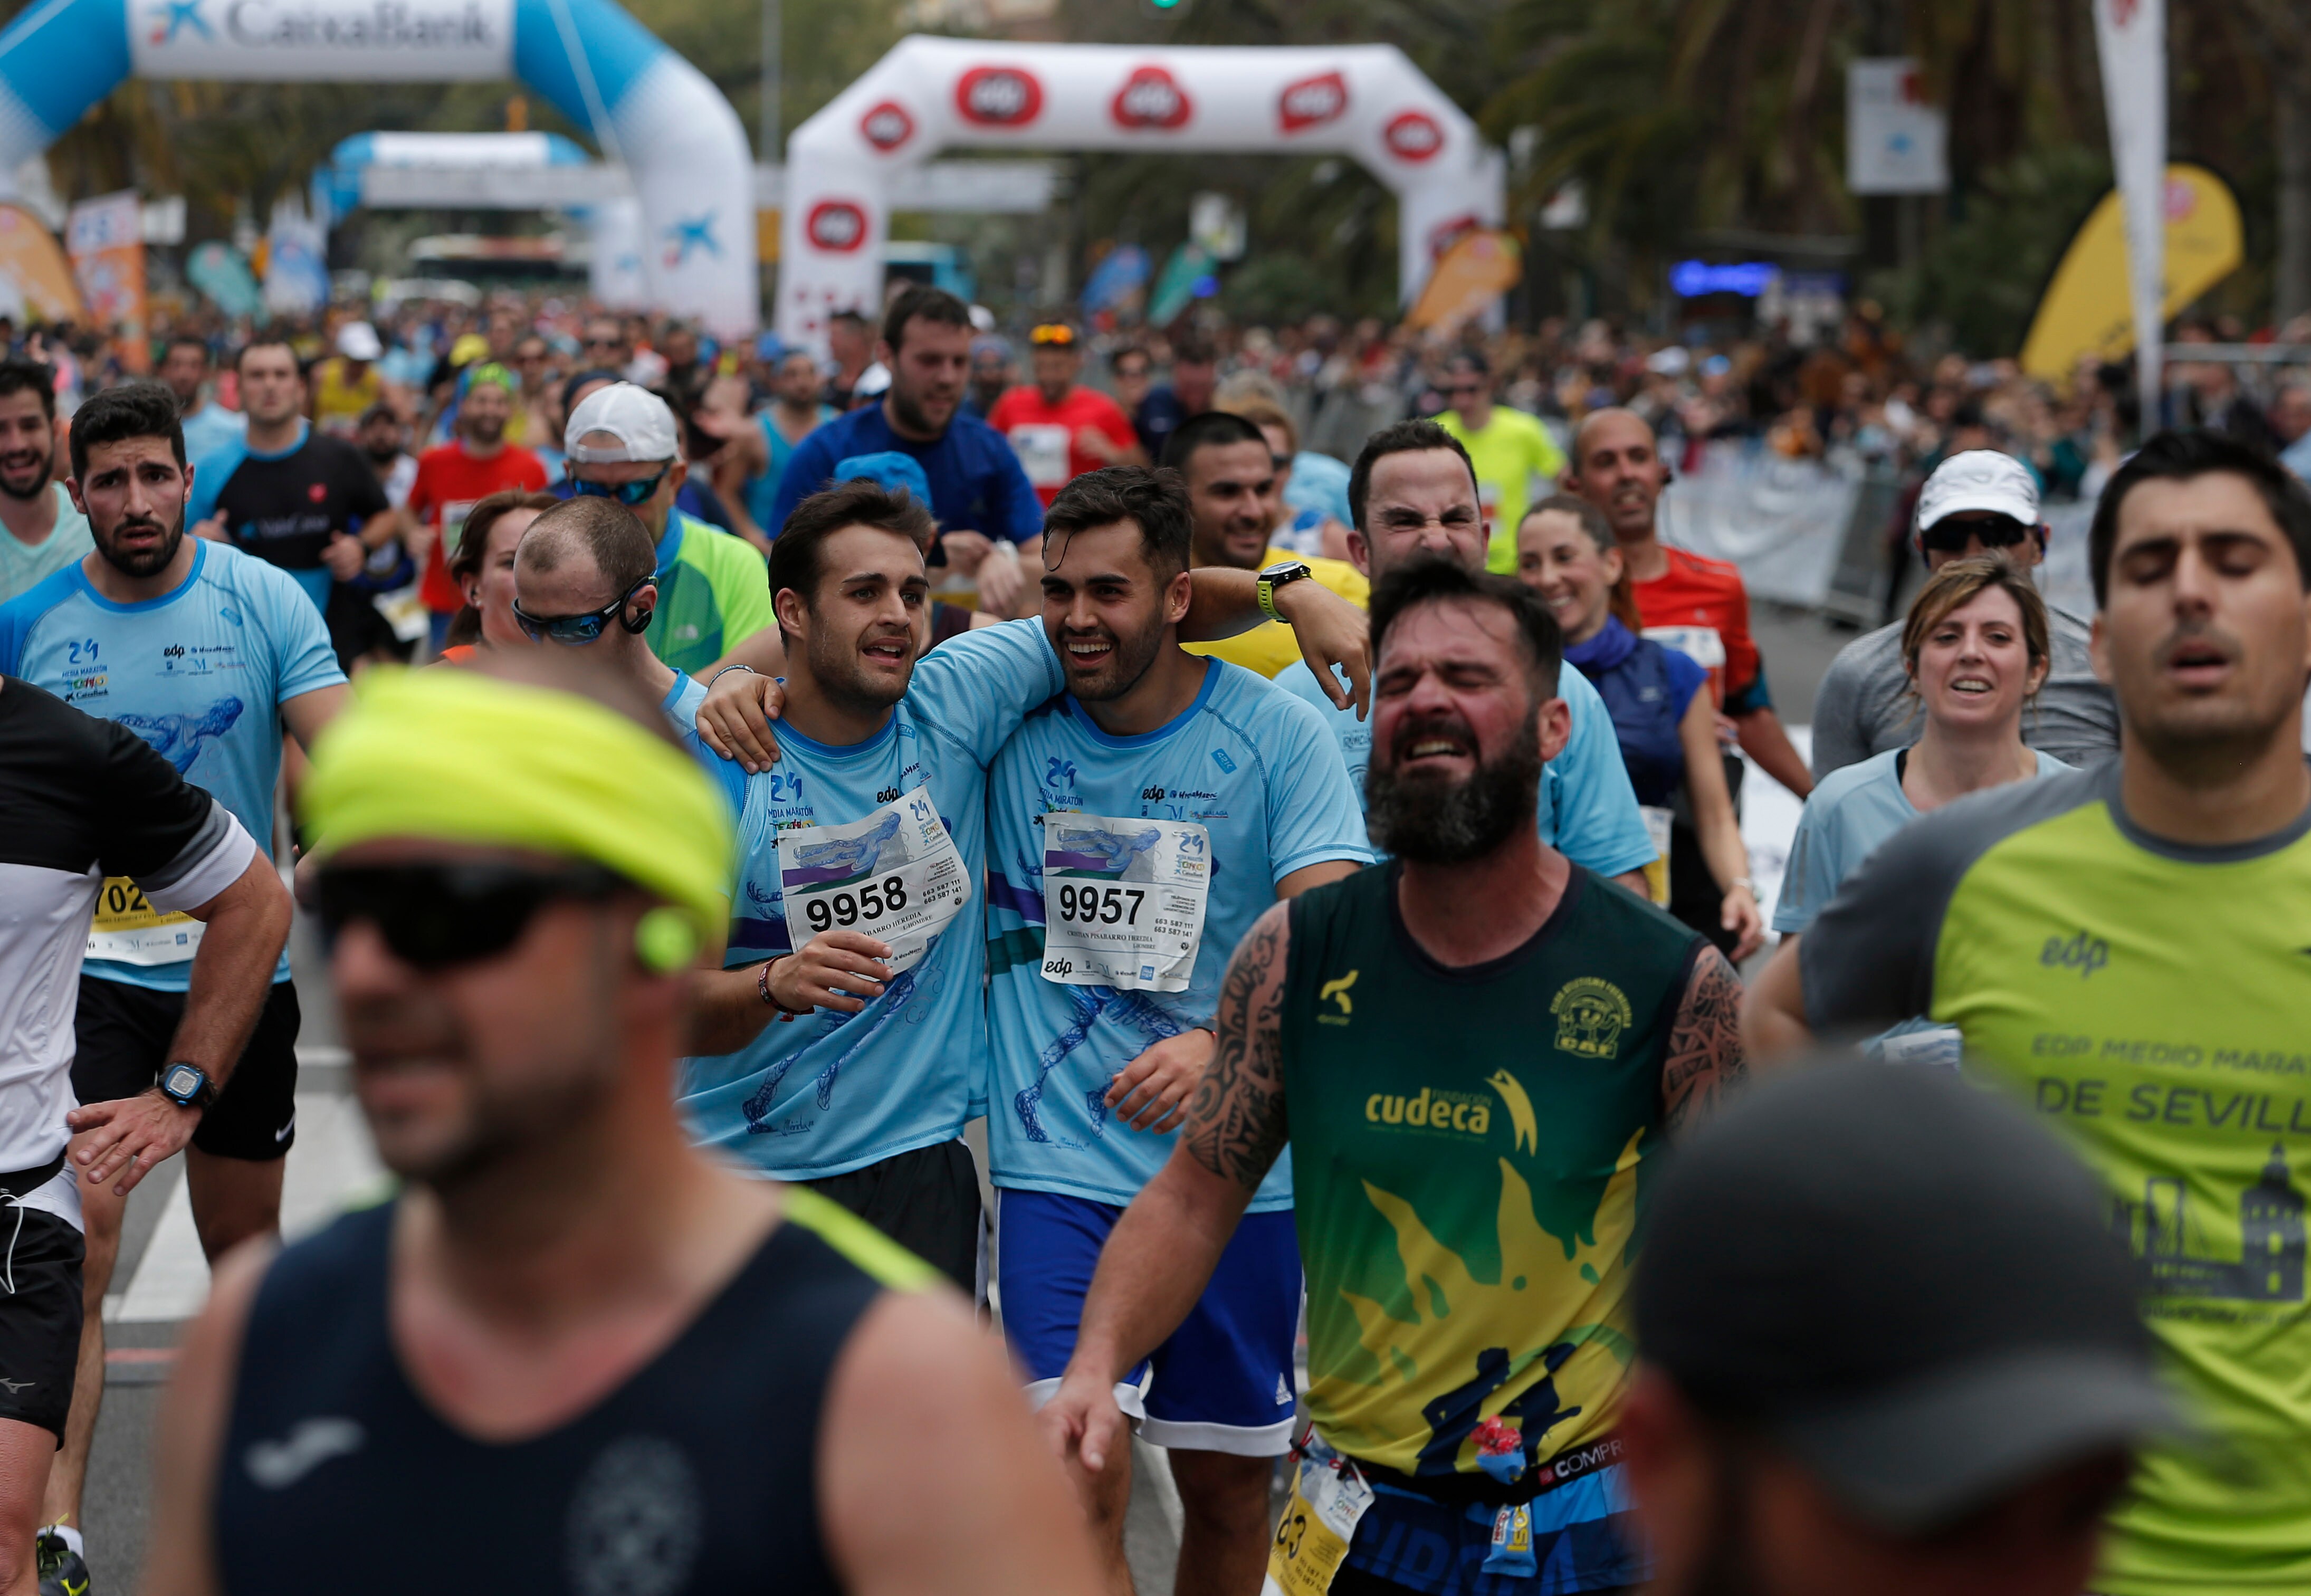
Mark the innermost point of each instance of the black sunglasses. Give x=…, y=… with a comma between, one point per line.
x=1952, y=537
x=575, y=632
x=436, y=915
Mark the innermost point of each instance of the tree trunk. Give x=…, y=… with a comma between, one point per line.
x=2291, y=284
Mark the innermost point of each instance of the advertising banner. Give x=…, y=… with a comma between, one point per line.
x=105, y=238
x=36, y=268
x=1895, y=142
x=322, y=41
x=2089, y=307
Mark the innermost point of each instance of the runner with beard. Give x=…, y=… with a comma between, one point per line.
x=295, y=497
x=454, y=477
x=1471, y=1052
x=380, y=437
x=203, y=651
x=1137, y=825
x=874, y=816
x=986, y=509
x=40, y=531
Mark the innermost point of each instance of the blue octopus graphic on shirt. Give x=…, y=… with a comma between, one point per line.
x=1104, y=853
x=180, y=739
x=843, y=858
x=1138, y=1012
x=897, y=1003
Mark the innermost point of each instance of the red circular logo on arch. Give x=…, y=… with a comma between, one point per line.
x=887, y=125
x=1151, y=97
x=1312, y=101
x=838, y=226
x=1413, y=136
x=999, y=96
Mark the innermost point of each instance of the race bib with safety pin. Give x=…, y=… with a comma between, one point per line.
x=128, y=930
x=1328, y=1496
x=895, y=875
x=1123, y=900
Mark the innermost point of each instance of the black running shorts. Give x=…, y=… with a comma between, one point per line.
x=124, y=1033
x=926, y=1200
x=39, y=1316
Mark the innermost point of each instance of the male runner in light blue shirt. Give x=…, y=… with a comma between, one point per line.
x=1138, y=825
x=202, y=650
x=1414, y=496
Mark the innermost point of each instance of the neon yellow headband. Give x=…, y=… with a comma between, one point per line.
x=464, y=757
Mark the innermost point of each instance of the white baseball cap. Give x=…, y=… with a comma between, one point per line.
x=636, y=417
x=1980, y=479
x=357, y=341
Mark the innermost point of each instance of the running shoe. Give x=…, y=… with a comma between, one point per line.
x=62, y=1571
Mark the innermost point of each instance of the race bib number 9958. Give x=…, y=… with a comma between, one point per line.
x=895, y=875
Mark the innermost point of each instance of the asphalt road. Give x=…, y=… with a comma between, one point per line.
x=1798, y=646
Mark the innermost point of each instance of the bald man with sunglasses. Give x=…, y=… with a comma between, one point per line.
x=1058, y=430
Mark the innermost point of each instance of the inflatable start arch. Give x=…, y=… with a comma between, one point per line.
x=1367, y=102
x=644, y=104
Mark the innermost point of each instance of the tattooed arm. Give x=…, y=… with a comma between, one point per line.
x=1164, y=1248
x=1705, y=1063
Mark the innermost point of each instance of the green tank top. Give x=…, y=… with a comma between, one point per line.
x=1470, y=1149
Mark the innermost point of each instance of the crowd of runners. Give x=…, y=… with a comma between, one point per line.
x=1323, y=878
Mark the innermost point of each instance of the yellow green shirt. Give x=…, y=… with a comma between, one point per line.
x=2152, y=1001
x=1269, y=647
x=1513, y=449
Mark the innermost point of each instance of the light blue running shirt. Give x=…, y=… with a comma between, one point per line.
x=1854, y=809
x=1588, y=809
x=1256, y=771
x=832, y=1092
x=199, y=673
x=680, y=708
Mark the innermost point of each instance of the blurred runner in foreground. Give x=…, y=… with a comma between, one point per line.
x=582, y=1356
x=1941, y=1394
x=2125, y=945
x=1471, y=1052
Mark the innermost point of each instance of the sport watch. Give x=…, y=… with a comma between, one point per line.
x=1275, y=577
x=187, y=1085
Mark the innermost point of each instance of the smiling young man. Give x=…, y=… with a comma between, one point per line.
x=2125, y=947
x=203, y=651
x=1137, y=825
x=1472, y=1054
x=880, y=779
x=40, y=530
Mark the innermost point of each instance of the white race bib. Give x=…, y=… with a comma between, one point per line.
x=1700, y=644
x=895, y=875
x=1123, y=900
x=128, y=930
x=1043, y=450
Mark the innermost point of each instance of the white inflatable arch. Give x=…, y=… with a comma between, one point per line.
x=644, y=104
x=1367, y=102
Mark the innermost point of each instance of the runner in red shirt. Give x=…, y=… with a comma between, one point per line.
x=1059, y=430
x=453, y=478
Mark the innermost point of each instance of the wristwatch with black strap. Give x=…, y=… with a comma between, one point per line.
x=187, y=1085
x=1276, y=576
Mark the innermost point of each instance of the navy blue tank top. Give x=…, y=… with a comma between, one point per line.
x=1646, y=688
x=694, y=1475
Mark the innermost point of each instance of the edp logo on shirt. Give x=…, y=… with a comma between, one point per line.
x=2081, y=953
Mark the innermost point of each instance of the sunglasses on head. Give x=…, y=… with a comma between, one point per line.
x=1052, y=333
x=1952, y=537
x=640, y=491
x=575, y=632
x=433, y=916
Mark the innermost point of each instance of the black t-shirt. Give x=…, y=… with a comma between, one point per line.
x=284, y=508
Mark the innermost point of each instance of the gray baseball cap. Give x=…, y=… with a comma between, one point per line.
x=1906, y=1284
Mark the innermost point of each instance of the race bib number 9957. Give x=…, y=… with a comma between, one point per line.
x=1123, y=900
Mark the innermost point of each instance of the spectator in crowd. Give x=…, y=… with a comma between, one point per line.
x=1059, y=429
